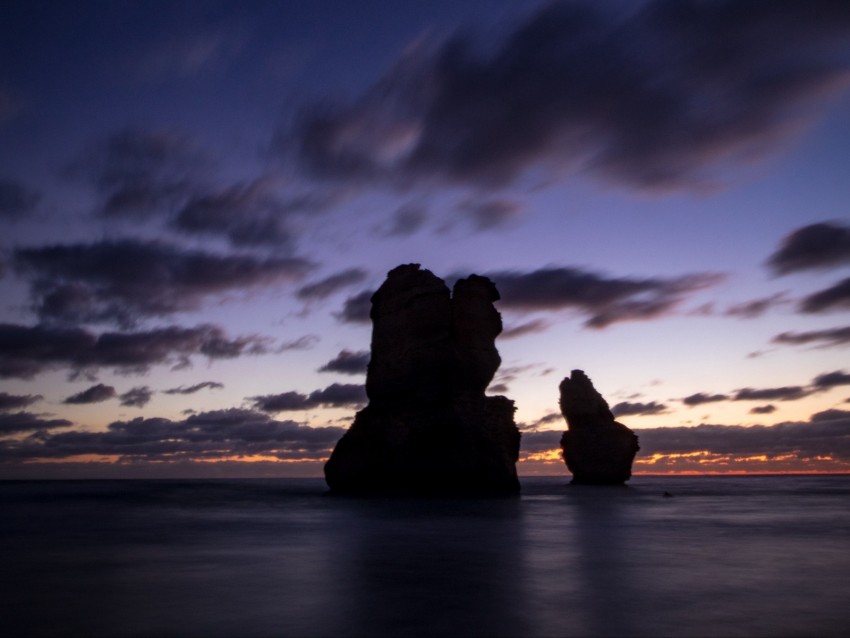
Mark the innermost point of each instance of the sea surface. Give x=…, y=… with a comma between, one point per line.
x=722, y=556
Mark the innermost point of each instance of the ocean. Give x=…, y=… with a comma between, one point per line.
x=722, y=556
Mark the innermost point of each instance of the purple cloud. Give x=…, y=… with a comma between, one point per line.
x=220, y=433
x=335, y=395
x=95, y=394
x=817, y=246
x=606, y=300
x=192, y=389
x=835, y=297
x=137, y=397
x=125, y=280
x=26, y=351
x=626, y=408
x=823, y=338
x=348, y=362
x=654, y=99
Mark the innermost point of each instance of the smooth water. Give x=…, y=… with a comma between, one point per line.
x=743, y=556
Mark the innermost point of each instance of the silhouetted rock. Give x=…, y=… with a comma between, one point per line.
x=428, y=427
x=597, y=449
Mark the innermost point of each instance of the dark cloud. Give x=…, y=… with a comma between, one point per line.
x=490, y=214
x=830, y=415
x=125, y=280
x=28, y=350
x=785, y=393
x=137, y=397
x=763, y=409
x=18, y=422
x=95, y=394
x=248, y=214
x=756, y=307
x=817, y=246
x=335, y=395
x=15, y=401
x=831, y=379
x=540, y=441
x=626, y=408
x=406, y=221
x=16, y=199
x=830, y=337
x=700, y=397
x=356, y=309
x=606, y=300
x=138, y=173
x=654, y=98
x=519, y=330
x=221, y=433
x=836, y=297
x=212, y=385
x=826, y=435
x=348, y=362
x=329, y=285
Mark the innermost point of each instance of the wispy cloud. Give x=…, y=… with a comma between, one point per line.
x=192, y=389
x=26, y=351
x=654, y=100
x=605, y=300
x=823, y=338
x=126, y=280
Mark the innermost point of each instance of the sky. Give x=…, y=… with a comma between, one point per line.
x=197, y=200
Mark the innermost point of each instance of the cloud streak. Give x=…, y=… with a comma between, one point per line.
x=126, y=280
x=652, y=99
x=192, y=389
x=26, y=351
x=605, y=300
x=331, y=284
x=835, y=297
x=335, y=395
x=16, y=401
x=221, y=433
x=821, y=338
x=626, y=408
x=20, y=422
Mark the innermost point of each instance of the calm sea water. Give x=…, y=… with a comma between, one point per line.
x=752, y=556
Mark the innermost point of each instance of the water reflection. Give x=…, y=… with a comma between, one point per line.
x=433, y=568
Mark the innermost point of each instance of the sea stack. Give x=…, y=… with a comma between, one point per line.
x=597, y=449
x=428, y=427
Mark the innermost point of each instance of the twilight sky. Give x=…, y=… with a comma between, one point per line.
x=198, y=198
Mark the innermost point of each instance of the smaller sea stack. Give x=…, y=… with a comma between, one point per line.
x=597, y=449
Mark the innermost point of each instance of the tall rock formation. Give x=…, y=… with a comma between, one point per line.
x=428, y=427
x=597, y=449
